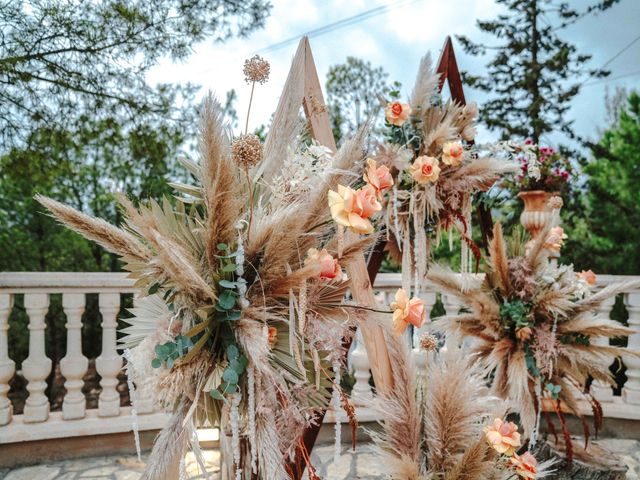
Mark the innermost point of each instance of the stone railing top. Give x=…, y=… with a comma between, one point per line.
x=89, y=282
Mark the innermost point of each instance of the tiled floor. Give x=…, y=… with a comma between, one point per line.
x=352, y=466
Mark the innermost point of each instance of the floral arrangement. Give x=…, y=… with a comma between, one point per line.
x=434, y=170
x=441, y=422
x=541, y=168
x=243, y=319
x=534, y=327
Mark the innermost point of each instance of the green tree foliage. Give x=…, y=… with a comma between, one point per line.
x=533, y=73
x=604, y=228
x=57, y=55
x=355, y=93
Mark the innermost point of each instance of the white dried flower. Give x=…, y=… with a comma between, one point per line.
x=256, y=69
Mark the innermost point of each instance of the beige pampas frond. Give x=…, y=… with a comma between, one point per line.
x=169, y=448
x=456, y=402
x=112, y=238
x=499, y=260
x=219, y=179
x=589, y=324
x=594, y=301
x=425, y=87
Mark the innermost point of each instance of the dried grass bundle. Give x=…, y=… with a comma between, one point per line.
x=534, y=325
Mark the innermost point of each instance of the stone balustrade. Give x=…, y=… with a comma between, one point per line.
x=34, y=290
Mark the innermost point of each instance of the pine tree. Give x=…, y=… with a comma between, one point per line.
x=534, y=74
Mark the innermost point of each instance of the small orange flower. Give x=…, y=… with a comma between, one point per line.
x=425, y=169
x=407, y=312
x=555, y=239
x=397, y=113
x=328, y=266
x=525, y=465
x=272, y=336
x=452, y=154
x=503, y=436
x=379, y=178
x=588, y=276
x=352, y=209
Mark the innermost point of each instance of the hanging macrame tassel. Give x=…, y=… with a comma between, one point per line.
x=316, y=366
x=407, y=264
x=302, y=308
x=251, y=393
x=336, y=408
x=241, y=284
x=340, y=235
x=183, y=470
x=133, y=397
x=536, y=428
x=396, y=220
x=235, y=433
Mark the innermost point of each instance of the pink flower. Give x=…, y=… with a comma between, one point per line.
x=407, y=312
x=397, y=113
x=555, y=239
x=329, y=266
x=379, y=178
x=503, y=436
x=528, y=141
x=352, y=209
x=425, y=169
x=452, y=153
x=588, y=276
x=525, y=465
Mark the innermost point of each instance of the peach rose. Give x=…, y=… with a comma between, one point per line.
x=407, y=312
x=352, y=209
x=525, y=465
x=503, y=436
x=379, y=178
x=425, y=169
x=452, y=154
x=397, y=113
x=588, y=276
x=272, y=336
x=329, y=266
x=555, y=239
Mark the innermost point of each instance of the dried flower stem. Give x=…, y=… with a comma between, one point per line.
x=246, y=172
x=246, y=126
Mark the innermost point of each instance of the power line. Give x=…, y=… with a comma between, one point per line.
x=339, y=24
x=608, y=62
x=606, y=80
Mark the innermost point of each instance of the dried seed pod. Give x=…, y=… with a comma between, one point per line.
x=246, y=150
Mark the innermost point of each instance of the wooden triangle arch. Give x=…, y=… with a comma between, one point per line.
x=302, y=88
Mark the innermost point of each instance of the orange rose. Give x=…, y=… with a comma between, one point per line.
x=329, y=266
x=425, y=169
x=555, y=239
x=379, y=178
x=272, y=336
x=407, y=312
x=503, y=436
x=352, y=209
x=588, y=276
x=525, y=465
x=452, y=154
x=397, y=113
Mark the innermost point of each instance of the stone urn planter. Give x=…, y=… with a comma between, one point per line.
x=540, y=208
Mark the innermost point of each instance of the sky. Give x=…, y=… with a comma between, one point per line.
x=396, y=40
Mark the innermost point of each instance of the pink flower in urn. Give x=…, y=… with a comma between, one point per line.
x=329, y=266
x=503, y=436
x=588, y=276
x=526, y=465
x=397, y=113
x=407, y=312
x=379, y=178
x=555, y=239
x=425, y=169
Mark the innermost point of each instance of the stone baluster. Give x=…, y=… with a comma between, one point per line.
x=631, y=389
x=74, y=365
x=419, y=355
x=37, y=367
x=7, y=366
x=109, y=363
x=602, y=391
x=361, y=393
